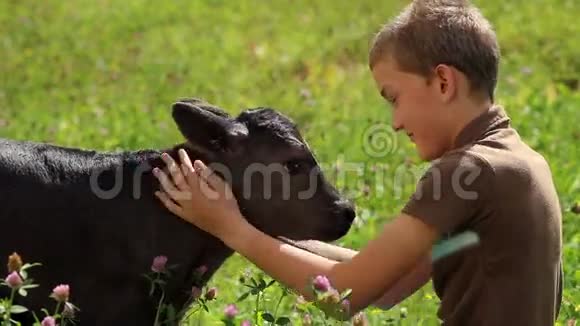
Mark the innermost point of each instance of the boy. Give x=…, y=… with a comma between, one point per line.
x=436, y=64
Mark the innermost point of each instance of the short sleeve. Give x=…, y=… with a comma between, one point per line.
x=451, y=193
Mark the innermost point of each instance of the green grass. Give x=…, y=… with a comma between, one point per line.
x=102, y=74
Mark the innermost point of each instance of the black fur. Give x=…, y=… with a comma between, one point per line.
x=92, y=220
x=51, y=214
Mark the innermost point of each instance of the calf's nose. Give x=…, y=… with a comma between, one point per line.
x=349, y=214
x=347, y=210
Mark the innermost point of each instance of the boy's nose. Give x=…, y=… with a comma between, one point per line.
x=396, y=123
x=397, y=126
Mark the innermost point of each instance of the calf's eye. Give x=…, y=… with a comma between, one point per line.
x=294, y=167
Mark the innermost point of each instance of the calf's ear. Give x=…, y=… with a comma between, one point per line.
x=203, y=104
x=207, y=129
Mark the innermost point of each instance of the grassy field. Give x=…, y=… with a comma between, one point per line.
x=102, y=75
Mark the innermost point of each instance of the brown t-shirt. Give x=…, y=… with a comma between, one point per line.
x=493, y=184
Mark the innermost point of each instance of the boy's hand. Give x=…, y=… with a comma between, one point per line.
x=198, y=196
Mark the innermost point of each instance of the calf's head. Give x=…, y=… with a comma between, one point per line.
x=275, y=177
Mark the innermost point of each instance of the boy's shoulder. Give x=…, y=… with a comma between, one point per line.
x=492, y=146
x=490, y=163
x=501, y=155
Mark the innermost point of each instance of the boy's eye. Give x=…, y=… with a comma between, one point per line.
x=392, y=100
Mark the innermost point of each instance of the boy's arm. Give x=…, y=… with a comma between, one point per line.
x=405, y=287
x=324, y=249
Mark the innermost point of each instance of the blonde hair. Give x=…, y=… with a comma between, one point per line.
x=431, y=32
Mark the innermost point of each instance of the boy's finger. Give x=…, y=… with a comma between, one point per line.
x=185, y=166
x=184, y=158
x=166, y=184
x=208, y=175
x=175, y=172
x=190, y=175
x=171, y=206
x=204, y=180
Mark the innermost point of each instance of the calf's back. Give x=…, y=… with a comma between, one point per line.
x=92, y=221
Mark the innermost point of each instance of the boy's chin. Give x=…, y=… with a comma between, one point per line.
x=428, y=154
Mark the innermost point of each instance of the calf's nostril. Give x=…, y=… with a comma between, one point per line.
x=349, y=214
x=346, y=209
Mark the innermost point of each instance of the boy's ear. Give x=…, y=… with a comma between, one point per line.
x=208, y=129
x=447, y=81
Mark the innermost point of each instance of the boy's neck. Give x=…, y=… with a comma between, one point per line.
x=467, y=111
